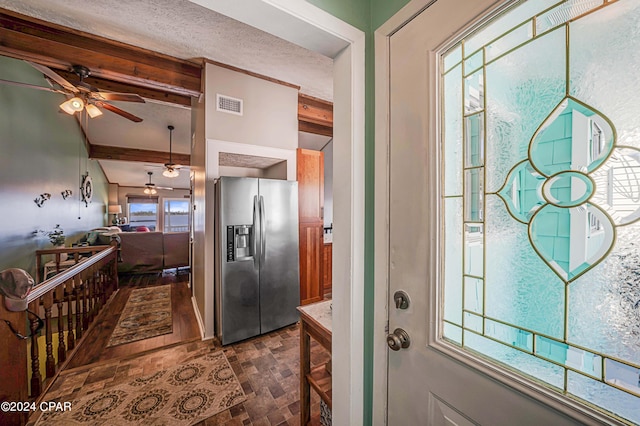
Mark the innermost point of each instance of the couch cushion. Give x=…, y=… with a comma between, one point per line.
x=176, y=249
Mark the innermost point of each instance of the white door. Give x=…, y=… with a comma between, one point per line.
x=432, y=234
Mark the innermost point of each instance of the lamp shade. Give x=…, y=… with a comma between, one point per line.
x=170, y=173
x=93, y=111
x=115, y=209
x=72, y=105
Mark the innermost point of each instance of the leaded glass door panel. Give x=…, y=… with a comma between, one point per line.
x=514, y=205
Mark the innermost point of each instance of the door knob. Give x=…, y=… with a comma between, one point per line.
x=402, y=299
x=399, y=339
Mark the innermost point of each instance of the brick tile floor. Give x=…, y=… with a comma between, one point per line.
x=267, y=367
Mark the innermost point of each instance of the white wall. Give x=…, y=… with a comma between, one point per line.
x=267, y=128
x=201, y=252
x=270, y=116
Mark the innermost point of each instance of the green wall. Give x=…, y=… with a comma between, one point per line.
x=41, y=151
x=354, y=12
x=382, y=10
x=366, y=15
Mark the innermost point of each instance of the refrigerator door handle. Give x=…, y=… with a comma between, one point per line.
x=263, y=233
x=255, y=231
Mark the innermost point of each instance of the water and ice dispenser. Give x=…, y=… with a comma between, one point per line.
x=239, y=238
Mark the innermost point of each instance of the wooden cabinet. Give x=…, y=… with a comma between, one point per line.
x=310, y=176
x=327, y=260
x=311, y=242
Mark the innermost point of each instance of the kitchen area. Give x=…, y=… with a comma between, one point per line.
x=267, y=197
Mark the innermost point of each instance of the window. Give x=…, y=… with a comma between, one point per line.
x=142, y=211
x=541, y=197
x=176, y=215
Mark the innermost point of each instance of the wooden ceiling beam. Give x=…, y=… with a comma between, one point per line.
x=103, y=152
x=315, y=115
x=125, y=68
x=115, y=86
x=316, y=129
x=59, y=47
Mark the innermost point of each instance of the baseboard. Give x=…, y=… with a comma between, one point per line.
x=198, y=317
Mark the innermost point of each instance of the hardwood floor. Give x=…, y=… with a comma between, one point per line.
x=185, y=325
x=267, y=367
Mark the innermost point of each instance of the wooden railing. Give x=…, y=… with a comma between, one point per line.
x=73, y=298
x=63, y=258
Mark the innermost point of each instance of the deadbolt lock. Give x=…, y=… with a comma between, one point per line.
x=399, y=339
x=402, y=299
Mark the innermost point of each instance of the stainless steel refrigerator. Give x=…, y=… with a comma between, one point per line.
x=257, y=281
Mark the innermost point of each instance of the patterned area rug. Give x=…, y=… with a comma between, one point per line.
x=181, y=395
x=146, y=314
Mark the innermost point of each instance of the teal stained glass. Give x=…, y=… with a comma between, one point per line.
x=542, y=156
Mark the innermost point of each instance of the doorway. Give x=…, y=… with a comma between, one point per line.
x=442, y=178
x=348, y=248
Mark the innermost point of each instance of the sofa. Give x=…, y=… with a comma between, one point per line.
x=145, y=252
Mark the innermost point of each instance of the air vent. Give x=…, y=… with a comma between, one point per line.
x=228, y=104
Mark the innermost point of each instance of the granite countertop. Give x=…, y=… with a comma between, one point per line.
x=320, y=311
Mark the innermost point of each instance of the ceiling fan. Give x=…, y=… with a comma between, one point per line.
x=171, y=169
x=81, y=95
x=150, y=187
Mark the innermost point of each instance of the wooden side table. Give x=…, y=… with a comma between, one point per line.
x=50, y=268
x=315, y=322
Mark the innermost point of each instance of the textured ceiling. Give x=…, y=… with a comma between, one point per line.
x=152, y=134
x=137, y=175
x=239, y=160
x=186, y=30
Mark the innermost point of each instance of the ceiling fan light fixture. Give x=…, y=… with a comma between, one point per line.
x=170, y=172
x=72, y=105
x=93, y=111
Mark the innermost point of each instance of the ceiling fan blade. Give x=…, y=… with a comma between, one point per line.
x=31, y=86
x=123, y=97
x=54, y=76
x=173, y=166
x=154, y=186
x=118, y=111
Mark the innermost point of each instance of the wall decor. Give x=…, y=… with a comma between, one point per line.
x=86, y=189
x=66, y=194
x=40, y=199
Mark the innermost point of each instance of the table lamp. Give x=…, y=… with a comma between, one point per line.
x=115, y=210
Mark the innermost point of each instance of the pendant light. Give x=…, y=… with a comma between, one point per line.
x=150, y=188
x=171, y=170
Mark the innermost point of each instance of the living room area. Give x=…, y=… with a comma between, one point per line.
x=120, y=234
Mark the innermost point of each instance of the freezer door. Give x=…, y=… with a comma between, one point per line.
x=279, y=260
x=239, y=294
